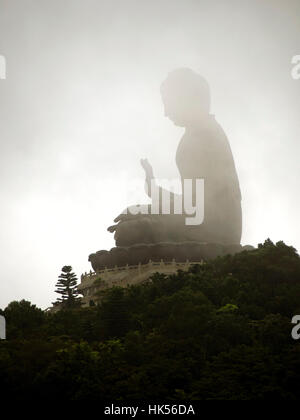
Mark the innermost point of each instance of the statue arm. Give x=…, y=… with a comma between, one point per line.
x=153, y=190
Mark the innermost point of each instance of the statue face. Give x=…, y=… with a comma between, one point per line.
x=182, y=110
x=174, y=112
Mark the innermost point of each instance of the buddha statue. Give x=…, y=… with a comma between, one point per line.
x=203, y=154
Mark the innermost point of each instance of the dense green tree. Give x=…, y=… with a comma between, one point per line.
x=114, y=313
x=67, y=288
x=23, y=320
x=222, y=330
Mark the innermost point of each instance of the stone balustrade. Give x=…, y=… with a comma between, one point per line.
x=126, y=276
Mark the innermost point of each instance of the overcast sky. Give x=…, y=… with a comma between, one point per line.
x=81, y=105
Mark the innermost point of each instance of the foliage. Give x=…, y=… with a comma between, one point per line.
x=220, y=331
x=67, y=288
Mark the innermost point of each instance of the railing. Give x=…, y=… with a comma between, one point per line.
x=88, y=287
x=139, y=267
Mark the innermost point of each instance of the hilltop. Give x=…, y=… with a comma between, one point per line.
x=222, y=330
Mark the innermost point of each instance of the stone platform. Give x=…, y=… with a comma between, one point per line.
x=125, y=266
x=166, y=251
x=93, y=283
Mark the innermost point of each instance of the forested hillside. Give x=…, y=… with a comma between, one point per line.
x=220, y=331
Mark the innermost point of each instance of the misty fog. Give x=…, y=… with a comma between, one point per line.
x=81, y=105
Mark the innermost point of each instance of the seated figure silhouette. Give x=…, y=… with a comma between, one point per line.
x=203, y=153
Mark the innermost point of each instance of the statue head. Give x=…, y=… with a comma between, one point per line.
x=186, y=97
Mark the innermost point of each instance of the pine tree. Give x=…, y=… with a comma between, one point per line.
x=67, y=288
